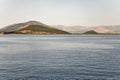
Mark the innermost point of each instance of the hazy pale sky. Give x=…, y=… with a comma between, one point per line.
x=61, y=12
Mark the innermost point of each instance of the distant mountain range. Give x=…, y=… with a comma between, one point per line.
x=83, y=29
x=34, y=27
x=72, y=29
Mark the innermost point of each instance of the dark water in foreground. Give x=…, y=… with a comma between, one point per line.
x=40, y=57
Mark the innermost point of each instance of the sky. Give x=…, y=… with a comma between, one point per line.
x=61, y=12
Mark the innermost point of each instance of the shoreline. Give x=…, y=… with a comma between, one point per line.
x=69, y=34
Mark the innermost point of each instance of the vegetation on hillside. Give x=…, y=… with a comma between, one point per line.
x=37, y=29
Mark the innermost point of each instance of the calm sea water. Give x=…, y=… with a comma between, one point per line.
x=59, y=57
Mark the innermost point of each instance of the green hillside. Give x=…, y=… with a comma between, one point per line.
x=39, y=29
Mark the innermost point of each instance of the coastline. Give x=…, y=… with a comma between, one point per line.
x=67, y=34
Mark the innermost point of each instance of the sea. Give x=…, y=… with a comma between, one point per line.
x=59, y=57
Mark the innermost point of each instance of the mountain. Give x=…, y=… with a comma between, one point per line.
x=102, y=30
x=83, y=29
x=34, y=27
x=111, y=29
x=31, y=27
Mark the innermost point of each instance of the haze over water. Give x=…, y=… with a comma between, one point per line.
x=53, y=57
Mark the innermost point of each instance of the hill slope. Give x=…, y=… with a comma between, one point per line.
x=37, y=29
x=91, y=32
